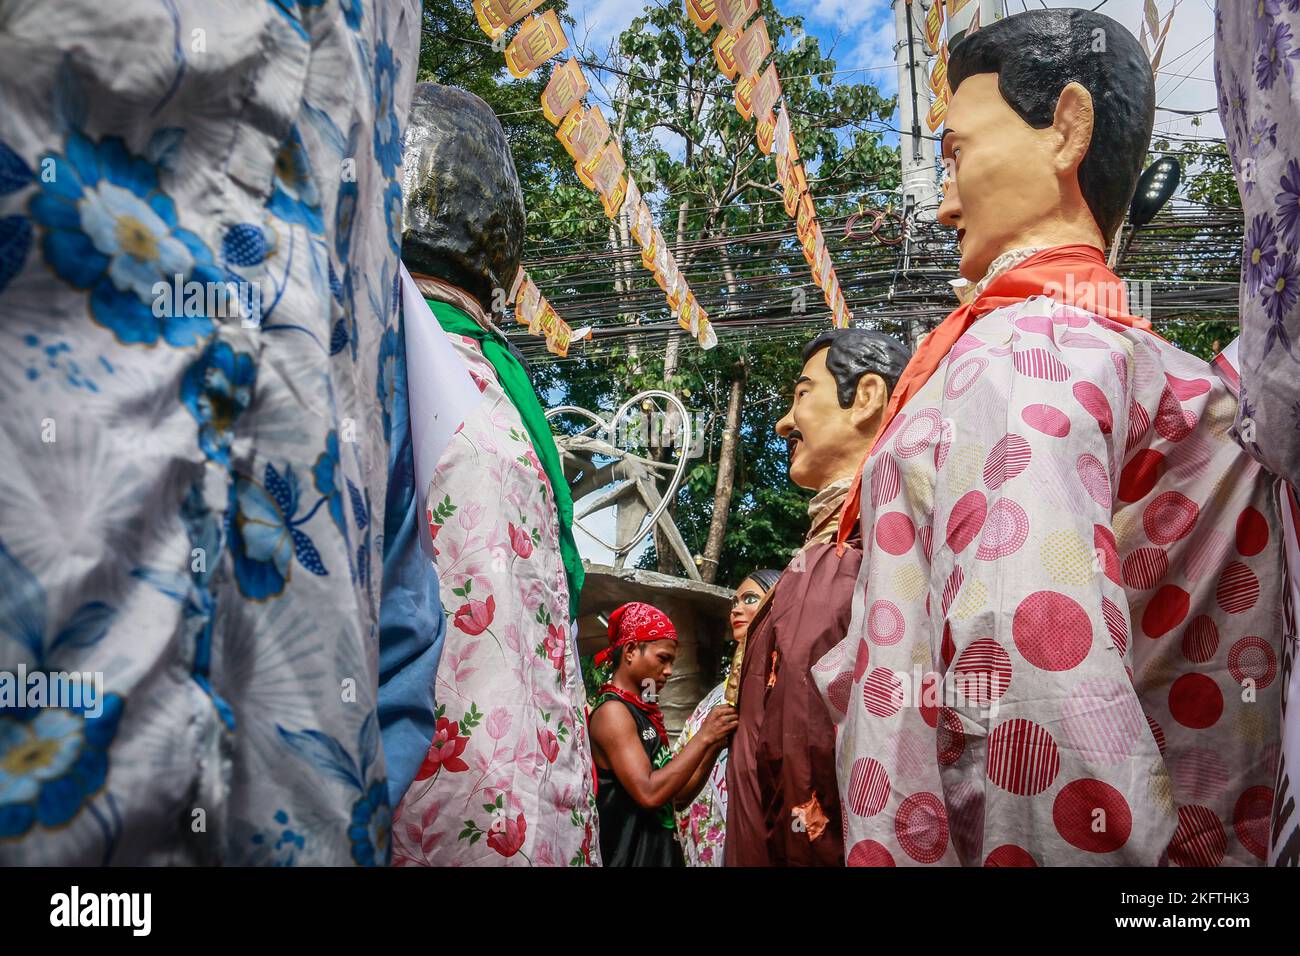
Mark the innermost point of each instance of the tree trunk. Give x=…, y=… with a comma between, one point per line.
x=726, y=478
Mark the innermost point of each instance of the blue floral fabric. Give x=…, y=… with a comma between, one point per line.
x=198, y=285
x=1257, y=69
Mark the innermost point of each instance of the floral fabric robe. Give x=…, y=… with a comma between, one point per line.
x=191, y=493
x=508, y=777
x=1065, y=641
x=701, y=827
x=1256, y=48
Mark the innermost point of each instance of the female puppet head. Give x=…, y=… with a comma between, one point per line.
x=463, y=210
x=1049, y=124
x=748, y=596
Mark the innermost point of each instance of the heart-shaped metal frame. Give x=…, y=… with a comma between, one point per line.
x=609, y=427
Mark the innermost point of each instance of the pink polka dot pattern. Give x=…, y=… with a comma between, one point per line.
x=1094, y=403
x=1186, y=389
x=868, y=787
x=919, y=434
x=1103, y=543
x=1139, y=423
x=921, y=826
x=1093, y=816
x=982, y=672
x=1047, y=419
x=1238, y=588
x=1005, y=530
x=882, y=693
x=1009, y=457
x=966, y=520
x=943, y=445
x=1052, y=631
x=1023, y=758
x=890, y=430
x=1252, y=658
x=885, y=481
x=861, y=661
x=1145, y=567
x=963, y=376
x=1200, y=639
x=885, y=624
x=839, y=691
x=1173, y=422
x=1102, y=720
x=1093, y=477
x=1008, y=854
x=1251, y=819
x=1170, y=517
x=1199, y=839
x=950, y=739
x=895, y=533
x=869, y=853
x=1042, y=364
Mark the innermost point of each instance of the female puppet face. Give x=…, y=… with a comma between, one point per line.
x=744, y=605
x=1003, y=189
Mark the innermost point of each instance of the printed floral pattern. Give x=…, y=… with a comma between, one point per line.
x=224, y=463
x=508, y=778
x=701, y=827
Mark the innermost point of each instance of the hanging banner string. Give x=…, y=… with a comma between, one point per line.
x=740, y=49
x=532, y=310
x=598, y=161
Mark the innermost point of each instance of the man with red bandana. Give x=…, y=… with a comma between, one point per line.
x=1065, y=637
x=637, y=781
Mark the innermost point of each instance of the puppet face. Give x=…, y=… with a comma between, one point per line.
x=827, y=441
x=744, y=605
x=1003, y=189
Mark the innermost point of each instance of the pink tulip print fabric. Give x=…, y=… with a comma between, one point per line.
x=508, y=779
x=1066, y=633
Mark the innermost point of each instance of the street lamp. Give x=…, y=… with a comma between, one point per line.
x=1155, y=187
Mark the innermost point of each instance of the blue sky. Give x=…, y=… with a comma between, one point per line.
x=861, y=34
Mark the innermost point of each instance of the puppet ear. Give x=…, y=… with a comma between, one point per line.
x=1073, y=124
x=869, y=400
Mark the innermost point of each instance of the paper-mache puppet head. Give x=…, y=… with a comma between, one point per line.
x=463, y=209
x=839, y=399
x=1046, y=134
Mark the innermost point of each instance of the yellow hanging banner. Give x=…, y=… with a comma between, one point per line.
x=724, y=51
x=734, y=14
x=539, y=39
x=495, y=16
x=564, y=93
x=752, y=48
x=703, y=13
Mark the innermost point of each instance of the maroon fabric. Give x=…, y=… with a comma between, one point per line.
x=784, y=749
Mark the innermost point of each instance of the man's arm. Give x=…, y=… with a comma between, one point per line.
x=694, y=785
x=614, y=731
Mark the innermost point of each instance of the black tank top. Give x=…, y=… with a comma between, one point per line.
x=631, y=835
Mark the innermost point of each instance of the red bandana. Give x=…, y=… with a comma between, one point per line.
x=636, y=623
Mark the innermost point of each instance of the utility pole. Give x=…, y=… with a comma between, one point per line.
x=919, y=187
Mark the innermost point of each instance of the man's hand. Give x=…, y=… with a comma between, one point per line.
x=719, y=724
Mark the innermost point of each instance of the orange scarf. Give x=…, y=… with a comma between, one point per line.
x=1075, y=275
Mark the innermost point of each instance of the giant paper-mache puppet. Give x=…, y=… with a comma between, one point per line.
x=783, y=808
x=1065, y=636
x=508, y=777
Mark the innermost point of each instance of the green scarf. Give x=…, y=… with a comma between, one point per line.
x=515, y=383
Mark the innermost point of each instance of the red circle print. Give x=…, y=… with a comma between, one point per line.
x=1009, y=457
x=921, y=432
x=839, y=692
x=921, y=826
x=869, y=853
x=1022, y=758
x=1201, y=639
x=1196, y=701
x=1008, y=854
x=882, y=693
x=966, y=520
x=1052, y=632
x=860, y=662
x=885, y=623
x=1104, y=544
x=1115, y=624
x=1005, y=530
x=895, y=533
x=950, y=739
x=886, y=481
x=1170, y=517
x=947, y=647
x=868, y=787
x=1199, y=839
x=1094, y=403
x=982, y=672
x=1157, y=734
x=1165, y=611
x=1093, y=477
x=1144, y=568
x=1238, y=588
x=1092, y=816
x=1047, y=419
x=931, y=695
x=889, y=431
x=1252, y=532
x=1140, y=475
x=1251, y=818
x=1251, y=658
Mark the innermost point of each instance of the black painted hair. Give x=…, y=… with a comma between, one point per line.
x=855, y=352
x=765, y=579
x=1036, y=54
x=463, y=209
